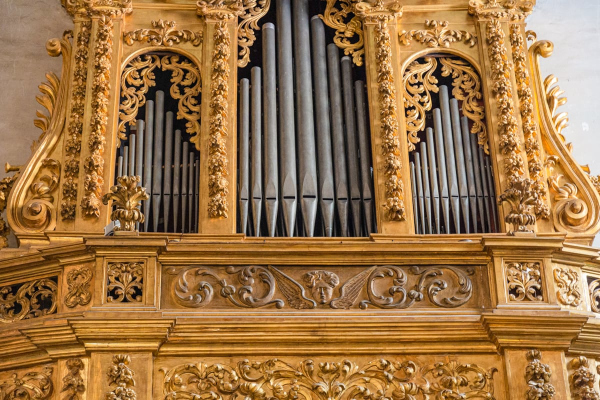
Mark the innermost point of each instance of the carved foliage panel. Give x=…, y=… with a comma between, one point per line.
x=126, y=282
x=568, y=286
x=29, y=299
x=28, y=383
x=270, y=287
x=329, y=378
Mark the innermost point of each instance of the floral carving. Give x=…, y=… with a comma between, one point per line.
x=94, y=163
x=466, y=87
x=78, y=292
x=349, y=34
x=125, y=282
x=524, y=281
x=127, y=198
x=537, y=375
x=388, y=113
x=388, y=287
x=254, y=10
x=217, y=151
x=139, y=76
x=582, y=380
x=418, y=81
x=28, y=300
x=31, y=385
x=438, y=34
x=163, y=33
x=594, y=290
x=73, y=383
x=521, y=199
x=6, y=185
x=75, y=124
x=121, y=376
x=532, y=144
x=334, y=380
x=569, y=290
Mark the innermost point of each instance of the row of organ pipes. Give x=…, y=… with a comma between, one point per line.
x=304, y=143
x=453, y=184
x=169, y=168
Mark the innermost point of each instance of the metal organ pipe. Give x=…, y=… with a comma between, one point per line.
x=191, y=195
x=159, y=115
x=148, y=142
x=244, y=153
x=131, y=154
x=426, y=192
x=364, y=145
x=184, y=186
x=168, y=173
x=139, y=148
x=463, y=188
x=441, y=162
x=450, y=160
x=433, y=180
x=176, y=180
x=256, y=167
x=468, y=164
x=478, y=185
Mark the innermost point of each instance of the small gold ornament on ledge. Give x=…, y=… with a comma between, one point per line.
x=128, y=197
x=521, y=197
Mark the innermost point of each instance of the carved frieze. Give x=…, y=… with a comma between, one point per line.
x=28, y=299
x=78, y=291
x=121, y=377
x=73, y=386
x=437, y=34
x=163, y=33
x=537, y=375
x=28, y=385
x=387, y=287
x=569, y=286
x=582, y=380
x=332, y=380
x=125, y=282
x=524, y=281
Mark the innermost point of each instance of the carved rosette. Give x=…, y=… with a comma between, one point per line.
x=73, y=387
x=75, y=129
x=164, y=33
x=121, y=376
x=537, y=375
x=217, y=150
x=582, y=380
x=569, y=286
x=78, y=291
x=437, y=34
x=31, y=385
x=333, y=380
x=28, y=300
x=524, y=281
x=94, y=163
x=530, y=129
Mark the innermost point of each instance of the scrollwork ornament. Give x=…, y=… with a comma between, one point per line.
x=594, y=292
x=31, y=300
x=254, y=10
x=582, y=380
x=78, y=292
x=164, y=33
x=524, y=281
x=537, y=375
x=437, y=35
x=125, y=282
x=569, y=290
x=73, y=383
x=349, y=34
x=39, y=210
x=31, y=385
x=121, y=375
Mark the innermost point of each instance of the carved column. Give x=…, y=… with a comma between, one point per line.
x=390, y=162
x=218, y=144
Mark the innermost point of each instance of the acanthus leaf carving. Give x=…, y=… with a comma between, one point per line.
x=524, y=281
x=30, y=385
x=254, y=10
x=125, y=282
x=437, y=34
x=349, y=34
x=569, y=290
x=27, y=300
x=127, y=197
x=164, y=33
x=78, y=292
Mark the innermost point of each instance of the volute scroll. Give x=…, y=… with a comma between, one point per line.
x=575, y=203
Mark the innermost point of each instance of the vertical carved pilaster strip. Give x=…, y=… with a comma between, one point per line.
x=73, y=384
x=94, y=163
x=120, y=375
x=538, y=377
x=219, y=92
x=532, y=144
x=582, y=380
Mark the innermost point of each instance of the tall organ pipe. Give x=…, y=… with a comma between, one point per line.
x=126, y=160
x=168, y=173
x=490, y=179
x=158, y=157
x=325, y=161
x=337, y=136
x=184, y=186
x=191, y=195
x=420, y=197
x=364, y=143
x=459, y=154
x=450, y=160
x=148, y=142
x=132, y=154
x=307, y=161
x=413, y=185
x=351, y=150
x=433, y=180
x=177, y=180
x=478, y=186
x=197, y=195
x=139, y=148
x=256, y=158
x=287, y=136
x=441, y=162
x=470, y=172
x=486, y=193
x=244, y=153
x=426, y=191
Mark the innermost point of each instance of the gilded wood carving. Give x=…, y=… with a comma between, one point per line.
x=127, y=197
x=537, y=375
x=333, y=380
x=121, y=376
x=30, y=385
x=582, y=380
x=569, y=286
x=594, y=292
x=125, y=282
x=28, y=300
x=254, y=10
x=164, y=33
x=6, y=185
x=437, y=34
x=73, y=386
x=349, y=36
x=524, y=281
x=79, y=292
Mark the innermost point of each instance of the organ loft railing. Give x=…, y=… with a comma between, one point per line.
x=308, y=118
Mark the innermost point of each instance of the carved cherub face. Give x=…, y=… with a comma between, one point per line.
x=321, y=285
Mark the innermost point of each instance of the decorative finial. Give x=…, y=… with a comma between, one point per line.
x=521, y=197
x=128, y=197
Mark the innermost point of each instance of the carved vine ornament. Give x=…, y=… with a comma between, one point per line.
x=164, y=33
x=73, y=382
x=120, y=375
x=437, y=35
x=334, y=380
x=30, y=385
x=28, y=300
x=537, y=375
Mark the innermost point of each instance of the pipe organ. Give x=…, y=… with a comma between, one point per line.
x=317, y=199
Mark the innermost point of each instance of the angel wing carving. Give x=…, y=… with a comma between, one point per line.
x=292, y=290
x=351, y=290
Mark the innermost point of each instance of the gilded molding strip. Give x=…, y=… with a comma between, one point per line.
x=120, y=375
x=78, y=291
x=75, y=130
x=217, y=151
x=467, y=88
x=94, y=163
x=387, y=287
x=125, y=282
x=334, y=380
x=248, y=24
x=524, y=281
x=31, y=385
x=28, y=300
x=349, y=35
x=394, y=186
x=73, y=383
x=437, y=35
x=582, y=380
x=530, y=129
x=569, y=286
x=418, y=82
x=537, y=375
x=163, y=34
x=6, y=185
